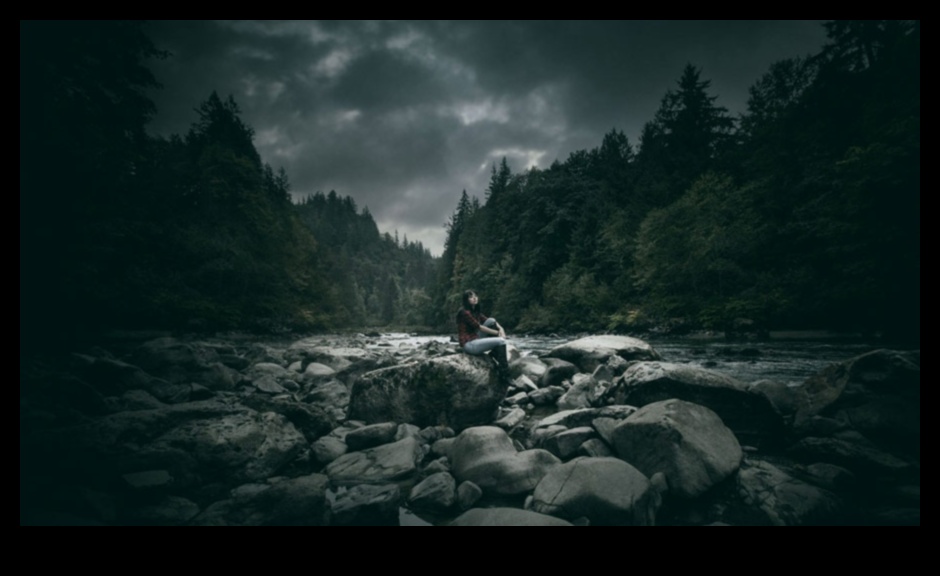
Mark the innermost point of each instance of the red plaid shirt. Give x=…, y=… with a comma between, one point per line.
x=468, y=324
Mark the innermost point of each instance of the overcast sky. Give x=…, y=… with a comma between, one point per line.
x=403, y=116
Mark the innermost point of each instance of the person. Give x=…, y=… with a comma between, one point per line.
x=478, y=334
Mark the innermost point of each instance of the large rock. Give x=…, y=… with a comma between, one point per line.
x=436, y=493
x=750, y=414
x=458, y=391
x=585, y=391
x=380, y=465
x=556, y=372
x=486, y=456
x=878, y=393
x=770, y=496
x=196, y=442
x=174, y=360
x=506, y=517
x=367, y=505
x=289, y=502
x=371, y=436
x=854, y=452
x=686, y=442
x=336, y=357
x=590, y=352
x=607, y=491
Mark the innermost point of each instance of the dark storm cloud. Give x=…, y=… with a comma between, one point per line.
x=403, y=116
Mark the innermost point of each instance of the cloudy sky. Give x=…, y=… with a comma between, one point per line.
x=403, y=116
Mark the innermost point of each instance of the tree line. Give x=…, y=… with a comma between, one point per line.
x=802, y=212
x=121, y=229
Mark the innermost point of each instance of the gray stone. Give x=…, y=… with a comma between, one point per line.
x=336, y=357
x=316, y=371
x=590, y=352
x=371, y=435
x=367, y=505
x=327, y=449
x=298, y=501
x=877, y=393
x=585, y=416
x=486, y=456
x=148, y=480
x=379, y=465
x=310, y=420
x=511, y=419
x=436, y=493
x=457, y=390
x=249, y=445
x=556, y=372
x=830, y=476
x=775, y=498
x=408, y=431
x=565, y=444
x=168, y=511
x=585, y=391
x=529, y=366
x=172, y=360
x=270, y=369
x=468, y=494
x=545, y=396
x=441, y=464
x=688, y=443
x=269, y=384
x=750, y=414
x=605, y=428
x=857, y=454
x=506, y=517
x=607, y=491
x=595, y=447
x=525, y=384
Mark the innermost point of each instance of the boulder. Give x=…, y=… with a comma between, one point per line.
x=287, y=502
x=195, y=442
x=367, y=505
x=436, y=493
x=486, y=456
x=556, y=372
x=770, y=496
x=750, y=414
x=592, y=351
x=506, y=517
x=380, y=465
x=585, y=391
x=688, y=443
x=877, y=393
x=607, y=491
x=565, y=444
x=458, y=390
x=371, y=436
x=850, y=451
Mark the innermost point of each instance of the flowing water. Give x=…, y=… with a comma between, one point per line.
x=787, y=359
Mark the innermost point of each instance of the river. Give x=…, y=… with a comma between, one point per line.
x=790, y=357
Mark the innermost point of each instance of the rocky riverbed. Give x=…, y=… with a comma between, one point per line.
x=400, y=430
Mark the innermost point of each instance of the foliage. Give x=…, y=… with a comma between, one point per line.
x=805, y=212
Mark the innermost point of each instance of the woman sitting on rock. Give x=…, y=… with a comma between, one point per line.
x=478, y=334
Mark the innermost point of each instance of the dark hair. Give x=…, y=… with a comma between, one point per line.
x=466, y=302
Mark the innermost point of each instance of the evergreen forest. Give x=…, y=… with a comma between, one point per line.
x=802, y=212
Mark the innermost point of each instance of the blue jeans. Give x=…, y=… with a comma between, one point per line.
x=486, y=342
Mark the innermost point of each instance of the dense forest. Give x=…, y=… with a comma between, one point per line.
x=802, y=212
x=121, y=229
